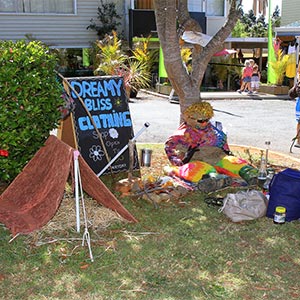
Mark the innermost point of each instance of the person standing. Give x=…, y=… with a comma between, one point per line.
x=291, y=69
x=246, y=77
x=294, y=92
x=255, y=79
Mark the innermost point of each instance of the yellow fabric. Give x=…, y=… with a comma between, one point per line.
x=232, y=164
x=290, y=71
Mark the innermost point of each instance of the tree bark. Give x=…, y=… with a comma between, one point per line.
x=187, y=86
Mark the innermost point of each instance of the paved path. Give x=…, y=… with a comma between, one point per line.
x=249, y=121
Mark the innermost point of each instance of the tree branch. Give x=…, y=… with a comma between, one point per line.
x=166, y=21
x=217, y=42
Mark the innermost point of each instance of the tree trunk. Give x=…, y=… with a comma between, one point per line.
x=187, y=86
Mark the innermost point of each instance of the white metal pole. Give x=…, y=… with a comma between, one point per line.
x=76, y=155
x=146, y=125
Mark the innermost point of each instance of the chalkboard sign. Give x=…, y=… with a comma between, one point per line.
x=106, y=101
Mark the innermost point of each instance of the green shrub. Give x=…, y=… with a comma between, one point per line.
x=29, y=100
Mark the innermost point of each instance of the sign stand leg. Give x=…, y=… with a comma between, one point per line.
x=78, y=188
x=76, y=167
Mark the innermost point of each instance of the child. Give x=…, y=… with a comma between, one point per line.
x=246, y=77
x=294, y=92
x=255, y=79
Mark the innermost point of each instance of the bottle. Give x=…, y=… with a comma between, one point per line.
x=279, y=216
x=262, y=172
x=268, y=181
x=249, y=174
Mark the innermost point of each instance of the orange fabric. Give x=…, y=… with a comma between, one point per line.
x=221, y=170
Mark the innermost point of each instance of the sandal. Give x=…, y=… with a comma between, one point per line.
x=214, y=201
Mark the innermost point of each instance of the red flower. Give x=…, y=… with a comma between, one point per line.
x=3, y=153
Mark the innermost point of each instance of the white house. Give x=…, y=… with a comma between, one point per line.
x=58, y=23
x=63, y=23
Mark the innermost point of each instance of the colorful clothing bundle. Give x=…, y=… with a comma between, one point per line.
x=187, y=137
x=195, y=170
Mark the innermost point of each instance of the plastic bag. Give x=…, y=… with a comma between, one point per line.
x=245, y=205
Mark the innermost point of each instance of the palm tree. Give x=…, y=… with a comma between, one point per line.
x=261, y=5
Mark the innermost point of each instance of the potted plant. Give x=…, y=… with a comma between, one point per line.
x=107, y=17
x=111, y=60
x=278, y=67
x=220, y=70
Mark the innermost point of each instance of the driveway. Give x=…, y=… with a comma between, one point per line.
x=247, y=122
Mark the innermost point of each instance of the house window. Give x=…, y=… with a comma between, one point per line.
x=38, y=6
x=210, y=7
x=215, y=8
x=196, y=5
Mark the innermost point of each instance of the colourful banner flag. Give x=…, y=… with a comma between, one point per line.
x=271, y=52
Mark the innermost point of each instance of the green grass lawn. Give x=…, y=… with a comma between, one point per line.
x=177, y=251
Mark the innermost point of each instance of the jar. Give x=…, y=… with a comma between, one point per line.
x=146, y=157
x=279, y=216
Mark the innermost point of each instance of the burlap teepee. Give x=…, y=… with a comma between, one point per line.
x=33, y=198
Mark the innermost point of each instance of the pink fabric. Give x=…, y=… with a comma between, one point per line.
x=247, y=72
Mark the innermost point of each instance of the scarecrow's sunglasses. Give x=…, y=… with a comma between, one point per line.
x=202, y=121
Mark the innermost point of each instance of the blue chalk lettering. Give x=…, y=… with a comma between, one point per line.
x=86, y=89
x=103, y=118
x=101, y=90
x=118, y=86
x=89, y=104
x=126, y=119
x=77, y=87
x=93, y=89
x=118, y=119
x=108, y=104
x=97, y=121
x=113, y=86
x=110, y=121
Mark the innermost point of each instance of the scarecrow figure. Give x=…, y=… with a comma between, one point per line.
x=198, y=149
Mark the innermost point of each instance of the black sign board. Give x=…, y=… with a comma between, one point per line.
x=106, y=101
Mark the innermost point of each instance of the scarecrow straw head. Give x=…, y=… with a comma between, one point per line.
x=197, y=112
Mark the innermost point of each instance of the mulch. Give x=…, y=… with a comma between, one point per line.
x=100, y=218
x=277, y=161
